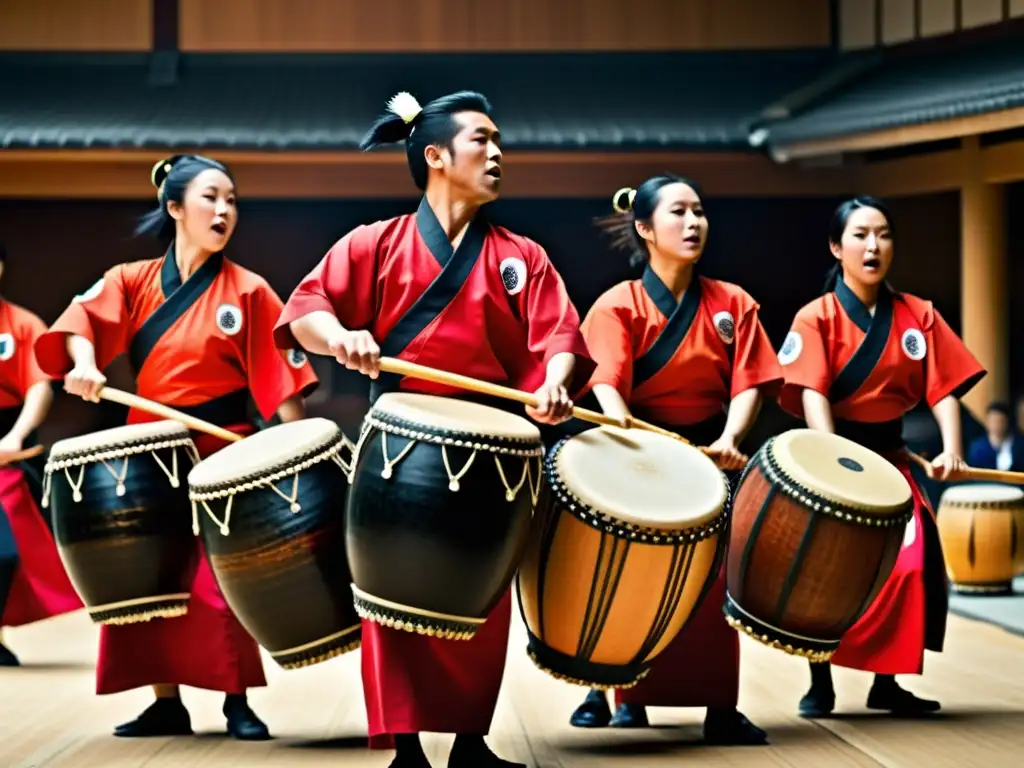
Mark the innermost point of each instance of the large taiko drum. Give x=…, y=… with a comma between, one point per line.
x=121, y=519
x=978, y=527
x=625, y=543
x=439, y=511
x=817, y=524
x=271, y=510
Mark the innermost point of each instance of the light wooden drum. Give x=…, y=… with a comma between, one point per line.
x=625, y=543
x=442, y=496
x=121, y=519
x=271, y=510
x=978, y=529
x=817, y=524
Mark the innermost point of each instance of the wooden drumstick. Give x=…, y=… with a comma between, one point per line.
x=417, y=371
x=971, y=473
x=165, y=412
x=16, y=456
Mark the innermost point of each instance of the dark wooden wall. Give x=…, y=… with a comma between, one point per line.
x=775, y=248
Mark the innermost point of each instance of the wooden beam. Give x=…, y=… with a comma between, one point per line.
x=124, y=174
x=960, y=127
x=918, y=175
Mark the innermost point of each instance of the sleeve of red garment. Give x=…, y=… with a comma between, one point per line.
x=755, y=363
x=273, y=375
x=804, y=361
x=553, y=324
x=29, y=373
x=343, y=283
x=950, y=368
x=606, y=330
x=99, y=315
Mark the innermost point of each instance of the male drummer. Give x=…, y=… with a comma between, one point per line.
x=33, y=583
x=446, y=288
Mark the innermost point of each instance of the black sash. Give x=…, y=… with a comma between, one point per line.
x=876, y=329
x=178, y=298
x=455, y=268
x=680, y=319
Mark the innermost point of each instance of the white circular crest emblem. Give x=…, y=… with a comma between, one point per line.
x=6, y=346
x=513, y=275
x=229, y=319
x=296, y=358
x=94, y=290
x=791, y=348
x=914, y=345
x=725, y=325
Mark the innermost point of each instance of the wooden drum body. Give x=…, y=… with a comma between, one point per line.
x=271, y=509
x=626, y=541
x=817, y=524
x=121, y=519
x=978, y=527
x=439, y=511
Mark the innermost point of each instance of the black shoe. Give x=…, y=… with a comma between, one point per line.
x=409, y=752
x=630, y=716
x=7, y=657
x=164, y=717
x=242, y=721
x=889, y=696
x=594, y=712
x=729, y=727
x=473, y=752
x=820, y=700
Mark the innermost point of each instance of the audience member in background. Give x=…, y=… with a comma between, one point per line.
x=1002, y=447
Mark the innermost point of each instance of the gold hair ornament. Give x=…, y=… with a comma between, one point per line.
x=165, y=166
x=630, y=196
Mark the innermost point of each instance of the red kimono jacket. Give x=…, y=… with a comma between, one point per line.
x=202, y=347
x=873, y=369
x=33, y=582
x=495, y=309
x=679, y=365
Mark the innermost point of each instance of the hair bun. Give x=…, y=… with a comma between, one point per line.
x=622, y=201
x=405, y=105
x=161, y=169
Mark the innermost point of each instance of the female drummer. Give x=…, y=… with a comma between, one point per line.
x=855, y=361
x=689, y=354
x=33, y=582
x=198, y=331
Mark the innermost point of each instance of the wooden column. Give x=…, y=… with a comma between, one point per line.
x=984, y=291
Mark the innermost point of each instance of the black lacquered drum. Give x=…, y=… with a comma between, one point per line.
x=271, y=510
x=122, y=521
x=439, y=511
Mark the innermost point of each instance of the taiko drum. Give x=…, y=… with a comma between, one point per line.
x=817, y=524
x=625, y=543
x=978, y=527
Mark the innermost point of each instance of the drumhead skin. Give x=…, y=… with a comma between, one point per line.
x=118, y=437
x=453, y=415
x=642, y=478
x=265, y=451
x=983, y=493
x=839, y=469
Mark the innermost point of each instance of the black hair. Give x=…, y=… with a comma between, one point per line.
x=837, y=227
x=3, y=252
x=421, y=127
x=171, y=178
x=633, y=205
x=999, y=407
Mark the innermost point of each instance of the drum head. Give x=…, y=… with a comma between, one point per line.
x=453, y=415
x=841, y=470
x=983, y=493
x=110, y=439
x=642, y=478
x=264, y=452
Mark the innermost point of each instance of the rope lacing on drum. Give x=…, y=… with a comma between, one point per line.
x=511, y=493
x=225, y=529
x=387, y=472
x=101, y=457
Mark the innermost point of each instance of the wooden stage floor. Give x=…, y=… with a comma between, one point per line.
x=50, y=717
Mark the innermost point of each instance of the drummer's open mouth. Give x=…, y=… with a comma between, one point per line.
x=872, y=264
x=220, y=227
